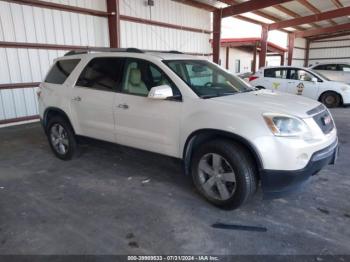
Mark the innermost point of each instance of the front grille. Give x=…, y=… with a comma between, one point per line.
x=324, y=121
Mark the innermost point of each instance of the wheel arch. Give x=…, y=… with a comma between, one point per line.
x=54, y=111
x=201, y=136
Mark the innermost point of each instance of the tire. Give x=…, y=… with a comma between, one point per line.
x=234, y=158
x=260, y=87
x=60, y=133
x=330, y=99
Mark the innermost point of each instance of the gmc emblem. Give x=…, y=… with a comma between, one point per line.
x=326, y=120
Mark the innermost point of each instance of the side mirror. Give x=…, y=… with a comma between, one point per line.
x=160, y=92
x=314, y=79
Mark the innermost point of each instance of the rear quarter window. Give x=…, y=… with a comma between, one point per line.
x=276, y=73
x=328, y=67
x=61, y=70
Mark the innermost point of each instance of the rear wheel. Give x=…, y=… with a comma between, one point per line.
x=330, y=99
x=224, y=173
x=61, y=138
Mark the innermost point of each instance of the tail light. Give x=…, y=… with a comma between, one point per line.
x=251, y=78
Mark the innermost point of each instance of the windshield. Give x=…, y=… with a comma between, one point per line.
x=319, y=74
x=206, y=79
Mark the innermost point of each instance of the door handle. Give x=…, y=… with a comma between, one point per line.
x=123, y=106
x=77, y=98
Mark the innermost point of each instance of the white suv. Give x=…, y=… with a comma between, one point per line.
x=229, y=135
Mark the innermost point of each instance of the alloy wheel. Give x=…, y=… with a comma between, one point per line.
x=216, y=176
x=59, y=139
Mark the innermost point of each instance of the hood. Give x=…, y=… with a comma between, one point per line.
x=267, y=101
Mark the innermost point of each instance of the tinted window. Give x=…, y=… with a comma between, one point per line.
x=61, y=71
x=140, y=76
x=345, y=68
x=320, y=67
x=329, y=67
x=103, y=74
x=276, y=73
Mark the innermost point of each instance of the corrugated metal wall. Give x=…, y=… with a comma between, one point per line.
x=27, y=24
x=330, y=51
x=160, y=38
x=298, y=52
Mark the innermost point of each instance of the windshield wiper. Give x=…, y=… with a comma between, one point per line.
x=216, y=95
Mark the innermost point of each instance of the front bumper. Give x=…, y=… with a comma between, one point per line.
x=276, y=183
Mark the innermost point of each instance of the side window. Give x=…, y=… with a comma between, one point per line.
x=276, y=73
x=61, y=71
x=331, y=67
x=300, y=75
x=103, y=74
x=140, y=76
x=345, y=68
x=320, y=67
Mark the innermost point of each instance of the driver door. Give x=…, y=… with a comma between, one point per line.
x=145, y=123
x=300, y=83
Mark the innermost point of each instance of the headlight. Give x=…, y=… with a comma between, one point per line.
x=285, y=125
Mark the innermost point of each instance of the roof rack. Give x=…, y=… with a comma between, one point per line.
x=107, y=49
x=102, y=49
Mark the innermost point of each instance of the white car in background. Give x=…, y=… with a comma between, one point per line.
x=336, y=72
x=304, y=82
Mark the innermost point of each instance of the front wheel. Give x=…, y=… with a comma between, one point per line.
x=224, y=173
x=61, y=138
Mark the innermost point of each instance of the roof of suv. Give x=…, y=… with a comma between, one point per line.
x=171, y=55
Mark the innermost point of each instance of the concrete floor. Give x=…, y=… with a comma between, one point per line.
x=114, y=200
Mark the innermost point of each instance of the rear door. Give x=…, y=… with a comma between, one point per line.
x=300, y=83
x=94, y=95
x=276, y=79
